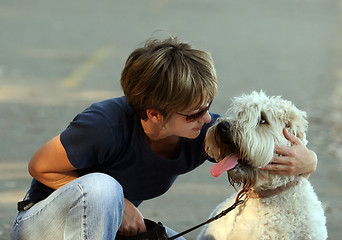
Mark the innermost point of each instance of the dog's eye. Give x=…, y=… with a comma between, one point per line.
x=263, y=119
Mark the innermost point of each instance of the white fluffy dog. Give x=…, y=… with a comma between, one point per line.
x=275, y=207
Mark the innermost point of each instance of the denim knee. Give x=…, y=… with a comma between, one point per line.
x=102, y=188
x=90, y=206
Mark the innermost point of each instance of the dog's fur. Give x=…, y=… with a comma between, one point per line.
x=253, y=126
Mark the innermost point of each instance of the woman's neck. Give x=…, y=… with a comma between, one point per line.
x=160, y=141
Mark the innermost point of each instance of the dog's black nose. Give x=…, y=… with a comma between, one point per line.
x=223, y=130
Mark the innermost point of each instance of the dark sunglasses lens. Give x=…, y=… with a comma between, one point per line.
x=196, y=115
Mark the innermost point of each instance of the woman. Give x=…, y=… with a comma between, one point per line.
x=89, y=180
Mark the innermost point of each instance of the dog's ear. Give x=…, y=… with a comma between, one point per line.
x=296, y=122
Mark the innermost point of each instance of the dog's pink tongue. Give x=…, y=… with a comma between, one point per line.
x=224, y=165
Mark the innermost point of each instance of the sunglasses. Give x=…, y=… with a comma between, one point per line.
x=196, y=116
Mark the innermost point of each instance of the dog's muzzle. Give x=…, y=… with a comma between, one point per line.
x=224, y=132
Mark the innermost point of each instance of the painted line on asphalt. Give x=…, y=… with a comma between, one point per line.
x=157, y=5
x=79, y=74
x=12, y=196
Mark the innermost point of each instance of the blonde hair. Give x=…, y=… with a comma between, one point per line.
x=168, y=76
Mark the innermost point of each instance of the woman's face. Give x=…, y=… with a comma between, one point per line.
x=188, y=124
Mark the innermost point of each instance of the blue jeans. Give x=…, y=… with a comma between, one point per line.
x=90, y=207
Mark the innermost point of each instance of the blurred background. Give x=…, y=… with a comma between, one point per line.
x=58, y=57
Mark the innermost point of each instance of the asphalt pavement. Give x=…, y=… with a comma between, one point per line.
x=58, y=57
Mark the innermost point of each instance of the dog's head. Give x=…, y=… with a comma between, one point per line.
x=246, y=137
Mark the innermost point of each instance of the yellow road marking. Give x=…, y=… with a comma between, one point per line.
x=12, y=196
x=157, y=5
x=78, y=75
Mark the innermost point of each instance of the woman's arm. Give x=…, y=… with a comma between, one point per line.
x=294, y=160
x=132, y=221
x=50, y=165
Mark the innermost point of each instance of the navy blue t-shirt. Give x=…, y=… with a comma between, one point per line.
x=108, y=137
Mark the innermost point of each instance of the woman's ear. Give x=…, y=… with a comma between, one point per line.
x=154, y=115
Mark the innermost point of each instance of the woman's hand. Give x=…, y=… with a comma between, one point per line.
x=294, y=160
x=132, y=221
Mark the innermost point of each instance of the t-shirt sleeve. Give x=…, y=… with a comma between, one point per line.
x=89, y=140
